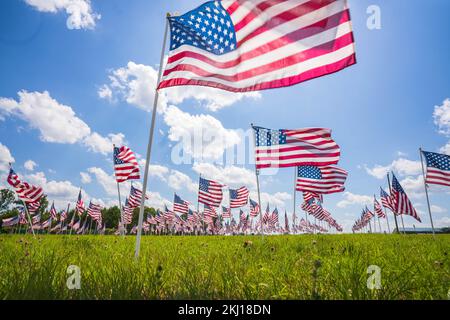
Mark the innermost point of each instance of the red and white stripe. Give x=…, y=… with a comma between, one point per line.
x=242, y=198
x=332, y=181
x=437, y=176
x=280, y=43
x=212, y=197
x=308, y=146
x=129, y=169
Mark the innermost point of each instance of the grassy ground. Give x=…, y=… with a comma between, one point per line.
x=244, y=267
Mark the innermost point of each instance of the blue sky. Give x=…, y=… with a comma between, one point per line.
x=84, y=85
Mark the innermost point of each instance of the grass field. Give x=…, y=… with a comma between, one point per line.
x=241, y=267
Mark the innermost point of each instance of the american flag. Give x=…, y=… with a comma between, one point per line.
x=80, y=205
x=33, y=206
x=25, y=191
x=36, y=219
x=94, y=211
x=328, y=179
x=238, y=197
x=266, y=215
x=210, y=192
x=209, y=211
x=298, y=147
x=248, y=45
x=179, y=205
x=254, y=208
x=438, y=168
x=53, y=212
x=286, y=222
x=386, y=200
x=126, y=166
x=401, y=201
x=312, y=195
x=378, y=209
x=226, y=213
x=135, y=197
x=9, y=222
x=273, y=220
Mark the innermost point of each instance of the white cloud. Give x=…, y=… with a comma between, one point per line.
x=232, y=176
x=136, y=84
x=352, y=199
x=57, y=123
x=107, y=182
x=401, y=166
x=277, y=199
x=180, y=181
x=437, y=209
x=441, y=117
x=5, y=158
x=446, y=149
x=85, y=178
x=80, y=13
x=442, y=222
x=30, y=165
x=413, y=186
x=201, y=136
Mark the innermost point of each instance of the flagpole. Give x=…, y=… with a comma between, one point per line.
x=118, y=192
x=257, y=183
x=426, y=190
x=395, y=214
x=387, y=220
x=295, y=183
x=150, y=142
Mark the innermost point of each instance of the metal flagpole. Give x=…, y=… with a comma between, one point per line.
x=426, y=189
x=118, y=192
x=395, y=214
x=257, y=184
x=387, y=220
x=150, y=142
x=403, y=224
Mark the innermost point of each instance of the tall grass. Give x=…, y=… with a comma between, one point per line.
x=217, y=267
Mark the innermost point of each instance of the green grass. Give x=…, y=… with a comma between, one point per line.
x=276, y=267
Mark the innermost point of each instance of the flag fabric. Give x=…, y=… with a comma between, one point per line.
x=249, y=45
x=401, y=201
x=33, y=207
x=94, y=211
x=126, y=166
x=209, y=211
x=80, y=205
x=238, y=197
x=323, y=180
x=298, y=147
x=386, y=200
x=179, y=205
x=9, y=222
x=254, y=208
x=438, y=168
x=53, y=213
x=266, y=216
x=135, y=198
x=25, y=191
x=312, y=195
x=210, y=192
x=273, y=220
x=377, y=208
x=226, y=213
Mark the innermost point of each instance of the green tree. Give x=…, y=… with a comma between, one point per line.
x=7, y=198
x=111, y=217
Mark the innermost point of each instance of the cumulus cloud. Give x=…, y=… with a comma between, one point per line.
x=5, y=158
x=446, y=149
x=201, y=136
x=107, y=181
x=441, y=117
x=277, y=199
x=136, y=84
x=354, y=199
x=232, y=176
x=180, y=181
x=80, y=13
x=30, y=165
x=400, y=166
x=57, y=123
x=85, y=177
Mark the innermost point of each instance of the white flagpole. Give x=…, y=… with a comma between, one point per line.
x=426, y=189
x=257, y=184
x=150, y=142
x=387, y=220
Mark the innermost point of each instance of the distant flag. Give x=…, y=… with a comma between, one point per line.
x=33, y=207
x=126, y=166
x=210, y=192
x=238, y=197
x=320, y=179
x=438, y=168
x=386, y=200
x=53, y=212
x=135, y=197
x=378, y=209
x=80, y=205
x=250, y=45
x=179, y=205
x=226, y=213
x=94, y=211
x=286, y=222
x=209, y=211
x=266, y=216
x=9, y=222
x=402, y=203
x=25, y=191
x=307, y=195
x=274, y=217
x=299, y=147
x=254, y=208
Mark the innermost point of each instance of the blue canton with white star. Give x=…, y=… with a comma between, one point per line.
x=438, y=161
x=204, y=185
x=208, y=27
x=233, y=194
x=266, y=137
x=309, y=172
x=396, y=185
x=117, y=160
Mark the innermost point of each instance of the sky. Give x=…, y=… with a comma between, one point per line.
x=78, y=75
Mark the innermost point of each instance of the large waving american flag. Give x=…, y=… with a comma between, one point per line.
x=25, y=191
x=210, y=192
x=401, y=201
x=126, y=166
x=238, y=197
x=438, y=168
x=298, y=147
x=134, y=200
x=179, y=205
x=94, y=211
x=327, y=179
x=248, y=45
